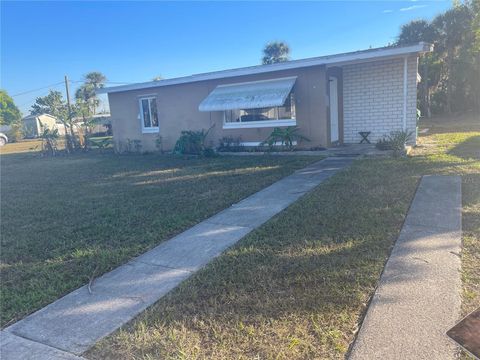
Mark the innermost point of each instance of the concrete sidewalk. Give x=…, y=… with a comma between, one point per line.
x=419, y=295
x=74, y=323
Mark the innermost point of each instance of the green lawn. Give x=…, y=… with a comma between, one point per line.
x=297, y=287
x=68, y=218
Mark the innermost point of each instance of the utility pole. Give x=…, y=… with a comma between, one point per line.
x=69, y=139
x=68, y=98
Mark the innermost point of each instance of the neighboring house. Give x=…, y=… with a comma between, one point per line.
x=33, y=125
x=330, y=98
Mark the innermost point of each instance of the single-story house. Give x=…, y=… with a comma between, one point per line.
x=330, y=98
x=33, y=125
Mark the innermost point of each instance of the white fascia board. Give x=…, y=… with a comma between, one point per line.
x=360, y=56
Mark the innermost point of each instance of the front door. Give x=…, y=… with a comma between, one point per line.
x=333, y=109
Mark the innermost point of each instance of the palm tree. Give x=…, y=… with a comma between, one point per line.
x=275, y=52
x=96, y=79
x=93, y=80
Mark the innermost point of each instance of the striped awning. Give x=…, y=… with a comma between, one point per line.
x=251, y=95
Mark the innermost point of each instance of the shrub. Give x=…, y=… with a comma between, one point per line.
x=49, y=141
x=230, y=144
x=159, y=144
x=286, y=137
x=383, y=144
x=131, y=146
x=15, y=133
x=137, y=145
x=192, y=142
x=396, y=141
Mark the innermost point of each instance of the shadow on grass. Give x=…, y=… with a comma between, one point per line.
x=468, y=149
x=307, y=274
x=64, y=217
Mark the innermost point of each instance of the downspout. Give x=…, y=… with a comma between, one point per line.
x=405, y=65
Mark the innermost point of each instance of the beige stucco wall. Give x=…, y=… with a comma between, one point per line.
x=178, y=110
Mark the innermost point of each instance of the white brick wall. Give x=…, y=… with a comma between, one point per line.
x=373, y=98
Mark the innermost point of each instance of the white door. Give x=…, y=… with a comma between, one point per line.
x=333, y=109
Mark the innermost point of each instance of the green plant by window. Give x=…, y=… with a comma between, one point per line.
x=192, y=142
x=285, y=137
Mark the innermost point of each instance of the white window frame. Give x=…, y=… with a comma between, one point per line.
x=150, y=129
x=260, y=124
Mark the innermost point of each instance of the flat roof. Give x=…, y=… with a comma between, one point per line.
x=350, y=57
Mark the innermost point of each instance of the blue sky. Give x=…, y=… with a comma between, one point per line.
x=136, y=41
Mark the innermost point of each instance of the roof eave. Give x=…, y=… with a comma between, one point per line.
x=362, y=56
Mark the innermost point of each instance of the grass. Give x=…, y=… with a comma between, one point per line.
x=297, y=287
x=35, y=145
x=68, y=218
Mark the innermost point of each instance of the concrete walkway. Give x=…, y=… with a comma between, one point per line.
x=74, y=323
x=419, y=295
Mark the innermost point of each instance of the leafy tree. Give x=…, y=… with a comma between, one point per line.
x=54, y=104
x=475, y=50
x=85, y=106
x=86, y=98
x=9, y=112
x=416, y=31
x=275, y=52
x=157, y=78
x=452, y=28
x=412, y=33
x=476, y=24
x=451, y=73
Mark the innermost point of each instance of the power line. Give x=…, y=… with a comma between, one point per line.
x=62, y=82
x=105, y=82
x=32, y=99
x=30, y=91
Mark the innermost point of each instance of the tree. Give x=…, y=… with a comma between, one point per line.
x=87, y=102
x=475, y=6
x=54, y=104
x=85, y=95
x=85, y=106
x=452, y=28
x=451, y=73
x=9, y=112
x=94, y=80
x=275, y=52
x=412, y=33
x=416, y=31
x=157, y=78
